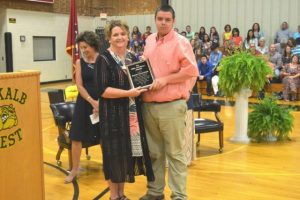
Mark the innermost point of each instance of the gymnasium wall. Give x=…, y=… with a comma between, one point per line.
x=32, y=23
x=238, y=13
x=38, y=19
x=29, y=24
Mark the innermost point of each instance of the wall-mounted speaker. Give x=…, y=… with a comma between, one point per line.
x=164, y=2
x=8, y=52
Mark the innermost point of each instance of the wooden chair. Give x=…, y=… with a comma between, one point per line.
x=63, y=113
x=201, y=86
x=203, y=125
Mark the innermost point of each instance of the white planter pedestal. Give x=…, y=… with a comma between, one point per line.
x=241, y=116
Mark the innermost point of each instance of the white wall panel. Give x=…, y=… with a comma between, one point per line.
x=216, y=7
x=238, y=13
x=294, y=12
x=3, y=29
x=193, y=12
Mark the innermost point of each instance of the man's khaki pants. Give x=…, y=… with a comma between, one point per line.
x=165, y=125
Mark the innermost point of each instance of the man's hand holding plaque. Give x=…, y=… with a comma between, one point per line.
x=140, y=74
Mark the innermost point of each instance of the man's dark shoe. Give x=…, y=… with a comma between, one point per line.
x=152, y=197
x=218, y=94
x=208, y=93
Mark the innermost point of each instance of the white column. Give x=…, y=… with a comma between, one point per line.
x=241, y=116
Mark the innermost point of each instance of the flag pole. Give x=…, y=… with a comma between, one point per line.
x=71, y=47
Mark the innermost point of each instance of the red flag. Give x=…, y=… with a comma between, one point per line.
x=71, y=47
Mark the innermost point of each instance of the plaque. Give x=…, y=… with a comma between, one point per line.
x=140, y=74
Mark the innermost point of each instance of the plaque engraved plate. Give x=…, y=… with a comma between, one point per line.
x=140, y=74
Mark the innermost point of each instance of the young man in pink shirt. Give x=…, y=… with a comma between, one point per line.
x=174, y=66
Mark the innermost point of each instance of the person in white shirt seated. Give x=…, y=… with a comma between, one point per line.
x=262, y=47
x=250, y=39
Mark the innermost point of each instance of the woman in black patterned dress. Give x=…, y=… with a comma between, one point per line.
x=124, y=145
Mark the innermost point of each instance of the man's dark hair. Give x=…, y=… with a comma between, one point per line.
x=203, y=56
x=236, y=30
x=165, y=8
x=214, y=46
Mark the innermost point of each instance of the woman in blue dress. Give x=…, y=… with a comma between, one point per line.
x=82, y=130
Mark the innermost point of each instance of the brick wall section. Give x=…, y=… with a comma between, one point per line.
x=87, y=7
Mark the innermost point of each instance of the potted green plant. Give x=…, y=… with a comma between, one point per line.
x=241, y=74
x=269, y=121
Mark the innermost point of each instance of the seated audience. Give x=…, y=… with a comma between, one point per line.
x=276, y=59
x=195, y=44
x=287, y=55
x=227, y=34
x=196, y=36
x=297, y=34
x=262, y=47
x=183, y=33
x=281, y=46
x=137, y=49
x=202, y=32
x=136, y=31
x=296, y=50
x=283, y=33
x=198, y=42
x=134, y=38
x=250, y=39
x=236, y=38
x=230, y=48
x=253, y=51
x=214, y=36
x=147, y=33
x=189, y=34
x=205, y=72
x=215, y=55
x=206, y=45
x=291, y=79
x=291, y=42
x=198, y=54
x=256, y=31
x=215, y=58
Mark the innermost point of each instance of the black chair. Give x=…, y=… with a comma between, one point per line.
x=56, y=96
x=203, y=125
x=62, y=113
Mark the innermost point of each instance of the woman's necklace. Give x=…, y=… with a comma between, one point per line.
x=118, y=59
x=91, y=61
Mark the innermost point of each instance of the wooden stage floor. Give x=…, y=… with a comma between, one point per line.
x=242, y=172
